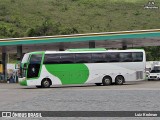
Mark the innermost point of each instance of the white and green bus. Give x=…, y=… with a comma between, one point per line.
x=80, y=66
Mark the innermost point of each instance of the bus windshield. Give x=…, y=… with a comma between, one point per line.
x=34, y=65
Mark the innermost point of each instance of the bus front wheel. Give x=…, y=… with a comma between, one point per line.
x=107, y=80
x=46, y=83
x=119, y=80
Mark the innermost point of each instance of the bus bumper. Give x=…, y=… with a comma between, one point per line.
x=22, y=81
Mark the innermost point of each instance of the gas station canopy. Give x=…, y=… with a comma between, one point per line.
x=134, y=38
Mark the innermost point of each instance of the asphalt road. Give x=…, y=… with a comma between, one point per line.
x=132, y=96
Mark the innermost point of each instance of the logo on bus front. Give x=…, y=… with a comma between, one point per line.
x=151, y=5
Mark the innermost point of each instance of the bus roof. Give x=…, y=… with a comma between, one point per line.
x=87, y=51
x=91, y=51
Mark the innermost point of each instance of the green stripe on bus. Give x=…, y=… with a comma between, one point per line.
x=69, y=73
x=23, y=82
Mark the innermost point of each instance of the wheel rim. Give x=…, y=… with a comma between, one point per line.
x=46, y=83
x=119, y=80
x=107, y=81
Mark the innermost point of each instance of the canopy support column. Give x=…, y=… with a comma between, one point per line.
x=4, y=62
x=92, y=44
x=124, y=45
x=19, y=53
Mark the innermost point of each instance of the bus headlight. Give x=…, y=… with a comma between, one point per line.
x=21, y=79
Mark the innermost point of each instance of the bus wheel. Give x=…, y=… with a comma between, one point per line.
x=98, y=84
x=46, y=83
x=119, y=80
x=107, y=80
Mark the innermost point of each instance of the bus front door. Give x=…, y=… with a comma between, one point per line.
x=34, y=66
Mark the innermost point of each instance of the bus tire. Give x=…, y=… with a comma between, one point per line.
x=107, y=80
x=119, y=80
x=46, y=83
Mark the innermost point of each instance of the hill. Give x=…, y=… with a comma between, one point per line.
x=20, y=18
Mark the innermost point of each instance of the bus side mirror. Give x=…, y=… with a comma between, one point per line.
x=17, y=65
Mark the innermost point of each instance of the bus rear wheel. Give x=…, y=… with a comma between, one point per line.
x=107, y=80
x=119, y=80
x=46, y=83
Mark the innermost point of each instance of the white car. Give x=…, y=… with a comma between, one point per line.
x=154, y=73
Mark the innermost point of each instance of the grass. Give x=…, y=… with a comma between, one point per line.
x=17, y=17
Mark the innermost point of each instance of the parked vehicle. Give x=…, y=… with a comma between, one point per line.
x=154, y=73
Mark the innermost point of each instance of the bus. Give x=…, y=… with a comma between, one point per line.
x=80, y=66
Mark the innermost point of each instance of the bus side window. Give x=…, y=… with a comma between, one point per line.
x=51, y=58
x=137, y=57
x=82, y=57
x=67, y=58
x=98, y=57
x=112, y=57
x=126, y=57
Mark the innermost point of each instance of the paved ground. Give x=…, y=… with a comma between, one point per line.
x=133, y=96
